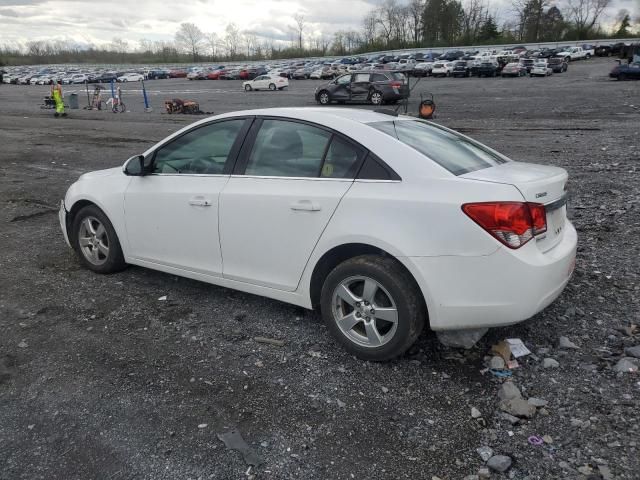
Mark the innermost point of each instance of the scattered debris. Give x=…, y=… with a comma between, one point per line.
x=385, y=390
x=163, y=298
x=535, y=440
x=233, y=441
x=517, y=347
x=496, y=363
x=508, y=391
x=567, y=344
x=461, y=338
x=518, y=407
x=500, y=373
x=626, y=365
x=550, y=363
x=537, y=402
x=475, y=413
x=23, y=344
x=485, y=453
x=203, y=425
x=269, y=341
x=503, y=349
x=499, y=463
x=633, y=351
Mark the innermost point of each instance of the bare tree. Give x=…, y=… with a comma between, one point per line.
x=414, y=10
x=387, y=17
x=369, y=28
x=232, y=39
x=190, y=39
x=474, y=16
x=584, y=14
x=213, y=41
x=299, y=28
x=250, y=41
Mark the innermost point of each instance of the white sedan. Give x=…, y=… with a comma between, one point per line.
x=131, y=77
x=266, y=82
x=385, y=223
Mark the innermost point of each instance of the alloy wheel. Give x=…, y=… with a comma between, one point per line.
x=324, y=98
x=93, y=241
x=364, y=311
x=376, y=98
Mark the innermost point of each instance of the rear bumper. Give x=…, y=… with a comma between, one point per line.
x=500, y=289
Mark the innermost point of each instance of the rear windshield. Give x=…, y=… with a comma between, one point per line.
x=449, y=150
x=398, y=76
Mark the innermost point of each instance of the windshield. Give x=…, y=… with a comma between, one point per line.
x=449, y=150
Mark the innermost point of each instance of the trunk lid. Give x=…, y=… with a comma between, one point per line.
x=539, y=184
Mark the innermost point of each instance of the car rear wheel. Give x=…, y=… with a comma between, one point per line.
x=622, y=76
x=324, y=98
x=95, y=241
x=376, y=98
x=247, y=88
x=373, y=307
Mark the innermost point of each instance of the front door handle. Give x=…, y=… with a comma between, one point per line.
x=200, y=202
x=305, y=205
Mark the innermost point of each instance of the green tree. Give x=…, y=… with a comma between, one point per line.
x=623, y=29
x=489, y=30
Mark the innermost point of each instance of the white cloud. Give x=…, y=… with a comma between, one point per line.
x=98, y=22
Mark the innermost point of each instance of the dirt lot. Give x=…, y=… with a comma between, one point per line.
x=101, y=380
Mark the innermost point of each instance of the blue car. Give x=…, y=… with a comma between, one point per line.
x=626, y=71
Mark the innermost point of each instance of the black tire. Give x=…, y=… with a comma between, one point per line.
x=622, y=77
x=115, y=259
x=376, y=98
x=272, y=86
x=387, y=272
x=247, y=88
x=324, y=98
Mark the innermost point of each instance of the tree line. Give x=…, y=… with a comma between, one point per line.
x=392, y=25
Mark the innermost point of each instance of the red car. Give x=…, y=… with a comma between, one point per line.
x=215, y=75
x=244, y=74
x=177, y=74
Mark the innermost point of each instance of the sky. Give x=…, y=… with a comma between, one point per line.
x=96, y=22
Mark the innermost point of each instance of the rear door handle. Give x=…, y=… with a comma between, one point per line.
x=306, y=205
x=200, y=202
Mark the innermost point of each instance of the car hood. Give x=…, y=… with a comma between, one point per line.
x=109, y=172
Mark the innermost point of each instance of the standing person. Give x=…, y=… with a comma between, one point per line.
x=58, y=98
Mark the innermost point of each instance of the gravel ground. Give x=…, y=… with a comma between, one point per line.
x=101, y=380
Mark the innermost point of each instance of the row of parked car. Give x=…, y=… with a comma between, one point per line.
x=479, y=62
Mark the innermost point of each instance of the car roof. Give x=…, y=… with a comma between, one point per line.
x=320, y=115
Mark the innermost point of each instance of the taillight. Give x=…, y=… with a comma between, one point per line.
x=396, y=84
x=511, y=223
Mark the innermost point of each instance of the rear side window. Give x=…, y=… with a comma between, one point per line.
x=378, y=77
x=342, y=160
x=449, y=150
x=287, y=149
x=361, y=77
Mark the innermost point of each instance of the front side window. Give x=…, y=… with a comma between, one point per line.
x=201, y=151
x=379, y=77
x=343, y=80
x=287, y=149
x=361, y=78
x=449, y=150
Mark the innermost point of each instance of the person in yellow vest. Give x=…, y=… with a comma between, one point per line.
x=58, y=98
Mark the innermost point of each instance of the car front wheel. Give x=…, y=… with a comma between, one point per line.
x=324, y=98
x=373, y=307
x=95, y=241
x=247, y=88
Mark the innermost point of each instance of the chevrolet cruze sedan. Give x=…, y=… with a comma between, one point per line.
x=385, y=223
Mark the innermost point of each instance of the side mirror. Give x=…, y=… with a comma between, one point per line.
x=135, y=166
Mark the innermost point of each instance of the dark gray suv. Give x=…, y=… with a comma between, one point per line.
x=377, y=87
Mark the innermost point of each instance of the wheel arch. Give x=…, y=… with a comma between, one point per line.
x=82, y=202
x=340, y=253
